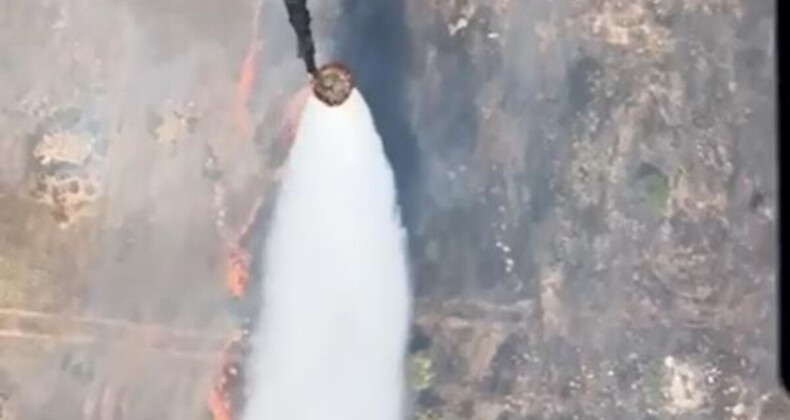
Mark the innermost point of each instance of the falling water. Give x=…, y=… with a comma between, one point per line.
x=336, y=301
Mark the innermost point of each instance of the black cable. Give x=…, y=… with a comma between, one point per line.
x=299, y=17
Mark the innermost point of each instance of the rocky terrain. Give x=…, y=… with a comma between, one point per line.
x=589, y=185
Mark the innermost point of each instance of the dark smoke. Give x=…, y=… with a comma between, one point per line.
x=373, y=40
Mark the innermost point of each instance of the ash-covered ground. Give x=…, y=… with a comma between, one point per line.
x=590, y=189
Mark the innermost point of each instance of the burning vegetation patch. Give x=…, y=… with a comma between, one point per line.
x=227, y=396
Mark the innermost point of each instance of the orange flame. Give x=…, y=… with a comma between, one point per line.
x=243, y=88
x=218, y=402
x=217, y=405
x=238, y=265
x=238, y=270
x=237, y=259
x=246, y=77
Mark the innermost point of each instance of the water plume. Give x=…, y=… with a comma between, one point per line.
x=334, y=322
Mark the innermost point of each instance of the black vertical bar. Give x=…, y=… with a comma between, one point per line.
x=783, y=285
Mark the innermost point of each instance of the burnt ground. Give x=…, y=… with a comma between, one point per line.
x=589, y=186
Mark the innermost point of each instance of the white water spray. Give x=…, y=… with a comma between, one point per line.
x=334, y=323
